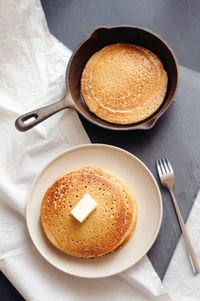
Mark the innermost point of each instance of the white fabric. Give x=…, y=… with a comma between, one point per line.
x=179, y=280
x=32, y=72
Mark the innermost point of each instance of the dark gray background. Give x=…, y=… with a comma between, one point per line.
x=176, y=133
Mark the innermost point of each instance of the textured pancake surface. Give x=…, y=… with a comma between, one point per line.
x=107, y=228
x=123, y=83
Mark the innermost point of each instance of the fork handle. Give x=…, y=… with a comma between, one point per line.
x=192, y=255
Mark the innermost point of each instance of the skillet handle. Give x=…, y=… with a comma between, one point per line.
x=29, y=120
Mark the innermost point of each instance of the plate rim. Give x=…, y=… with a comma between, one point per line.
x=90, y=145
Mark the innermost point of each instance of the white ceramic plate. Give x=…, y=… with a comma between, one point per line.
x=145, y=189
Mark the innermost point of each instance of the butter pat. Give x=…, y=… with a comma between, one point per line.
x=84, y=207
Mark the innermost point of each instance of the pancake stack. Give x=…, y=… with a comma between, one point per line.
x=106, y=229
x=123, y=83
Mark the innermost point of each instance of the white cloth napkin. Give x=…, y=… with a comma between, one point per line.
x=179, y=280
x=32, y=72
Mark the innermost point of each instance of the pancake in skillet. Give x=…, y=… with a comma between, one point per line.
x=106, y=229
x=123, y=83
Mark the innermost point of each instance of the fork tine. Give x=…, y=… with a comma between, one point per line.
x=164, y=165
x=159, y=168
x=169, y=166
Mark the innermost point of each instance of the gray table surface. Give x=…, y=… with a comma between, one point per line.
x=176, y=134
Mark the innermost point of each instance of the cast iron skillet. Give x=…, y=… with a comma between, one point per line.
x=97, y=39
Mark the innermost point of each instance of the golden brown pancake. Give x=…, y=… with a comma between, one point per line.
x=123, y=83
x=107, y=228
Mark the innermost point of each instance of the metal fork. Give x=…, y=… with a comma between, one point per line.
x=167, y=178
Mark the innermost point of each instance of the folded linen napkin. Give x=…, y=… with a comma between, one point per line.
x=32, y=69
x=187, y=288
